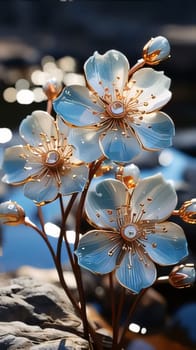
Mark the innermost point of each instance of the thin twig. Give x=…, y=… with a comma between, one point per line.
x=57, y=265
x=140, y=63
x=64, y=218
x=112, y=295
x=87, y=329
x=129, y=316
x=117, y=318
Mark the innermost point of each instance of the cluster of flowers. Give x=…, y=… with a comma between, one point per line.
x=107, y=122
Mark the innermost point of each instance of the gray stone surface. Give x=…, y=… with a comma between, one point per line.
x=37, y=316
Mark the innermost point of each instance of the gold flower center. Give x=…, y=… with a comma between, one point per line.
x=116, y=109
x=52, y=159
x=129, y=232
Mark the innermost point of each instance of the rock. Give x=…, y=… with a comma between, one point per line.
x=38, y=316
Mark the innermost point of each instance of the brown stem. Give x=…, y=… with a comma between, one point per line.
x=112, y=296
x=127, y=321
x=49, y=106
x=93, y=167
x=57, y=265
x=63, y=228
x=41, y=218
x=117, y=319
x=87, y=329
x=140, y=63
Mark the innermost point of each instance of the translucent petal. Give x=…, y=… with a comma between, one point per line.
x=34, y=125
x=86, y=143
x=135, y=274
x=15, y=165
x=63, y=128
x=74, y=180
x=167, y=245
x=107, y=71
x=76, y=106
x=118, y=147
x=157, y=197
x=98, y=251
x=149, y=103
x=42, y=191
x=102, y=202
x=155, y=89
x=155, y=131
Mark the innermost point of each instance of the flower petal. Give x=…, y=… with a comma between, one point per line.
x=167, y=245
x=34, y=126
x=98, y=251
x=154, y=195
x=74, y=180
x=86, y=143
x=118, y=147
x=135, y=274
x=76, y=106
x=108, y=71
x=155, y=131
x=154, y=86
x=43, y=190
x=63, y=129
x=16, y=167
x=102, y=202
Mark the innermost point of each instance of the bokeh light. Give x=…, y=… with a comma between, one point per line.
x=25, y=96
x=5, y=135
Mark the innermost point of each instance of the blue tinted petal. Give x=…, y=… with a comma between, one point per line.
x=157, y=197
x=15, y=166
x=154, y=86
x=102, y=202
x=118, y=147
x=42, y=191
x=135, y=274
x=155, y=131
x=167, y=245
x=86, y=143
x=98, y=251
x=63, y=129
x=107, y=71
x=74, y=180
x=34, y=125
x=76, y=106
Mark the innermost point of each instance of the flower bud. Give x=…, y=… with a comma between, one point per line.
x=182, y=276
x=187, y=212
x=129, y=174
x=11, y=213
x=52, y=89
x=156, y=50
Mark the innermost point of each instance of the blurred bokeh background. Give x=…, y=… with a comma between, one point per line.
x=33, y=29
x=45, y=38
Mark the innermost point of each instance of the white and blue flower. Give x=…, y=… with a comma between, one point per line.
x=132, y=232
x=45, y=163
x=116, y=115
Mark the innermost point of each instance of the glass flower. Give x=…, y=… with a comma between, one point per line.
x=45, y=163
x=116, y=115
x=156, y=50
x=11, y=213
x=182, y=276
x=132, y=233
